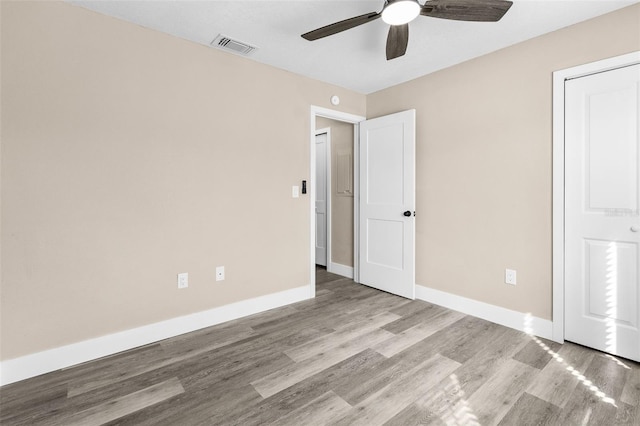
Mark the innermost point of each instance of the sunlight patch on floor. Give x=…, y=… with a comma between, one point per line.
x=457, y=412
x=611, y=295
x=583, y=380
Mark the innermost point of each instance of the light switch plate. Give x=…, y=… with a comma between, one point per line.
x=295, y=191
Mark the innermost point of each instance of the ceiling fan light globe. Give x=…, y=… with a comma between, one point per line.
x=399, y=12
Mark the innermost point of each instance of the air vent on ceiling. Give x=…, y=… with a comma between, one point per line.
x=227, y=43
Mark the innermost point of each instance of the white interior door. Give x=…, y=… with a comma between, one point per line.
x=387, y=203
x=321, y=199
x=602, y=223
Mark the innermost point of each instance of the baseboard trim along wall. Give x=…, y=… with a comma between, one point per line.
x=32, y=365
x=513, y=319
x=337, y=268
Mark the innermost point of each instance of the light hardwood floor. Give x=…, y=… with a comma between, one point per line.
x=351, y=356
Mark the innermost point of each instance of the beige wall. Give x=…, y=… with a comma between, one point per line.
x=484, y=161
x=129, y=156
x=341, y=204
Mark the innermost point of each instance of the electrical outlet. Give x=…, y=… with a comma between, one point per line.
x=510, y=276
x=183, y=280
x=220, y=273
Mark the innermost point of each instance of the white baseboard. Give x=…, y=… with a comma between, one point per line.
x=27, y=366
x=513, y=319
x=336, y=268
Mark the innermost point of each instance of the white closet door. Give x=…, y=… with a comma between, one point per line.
x=602, y=225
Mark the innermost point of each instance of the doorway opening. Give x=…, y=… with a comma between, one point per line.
x=340, y=187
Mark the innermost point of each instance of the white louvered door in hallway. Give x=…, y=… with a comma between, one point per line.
x=321, y=199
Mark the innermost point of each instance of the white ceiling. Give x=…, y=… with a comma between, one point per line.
x=354, y=59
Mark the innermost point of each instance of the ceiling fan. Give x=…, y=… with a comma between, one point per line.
x=398, y=14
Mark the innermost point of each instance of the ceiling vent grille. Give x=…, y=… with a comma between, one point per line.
x=235, y=46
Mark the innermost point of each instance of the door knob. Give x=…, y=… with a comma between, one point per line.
x=635, y=228
x=407, y=213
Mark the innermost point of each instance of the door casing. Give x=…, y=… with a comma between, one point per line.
x=317, y=111
x=559, y=79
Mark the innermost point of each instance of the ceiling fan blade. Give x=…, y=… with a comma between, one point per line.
x=397, y=41
x=337, y=27
x=467, y=10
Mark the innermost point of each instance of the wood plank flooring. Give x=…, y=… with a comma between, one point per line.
x=351, y=356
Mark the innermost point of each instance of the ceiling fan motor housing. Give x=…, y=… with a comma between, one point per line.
x=399, y=12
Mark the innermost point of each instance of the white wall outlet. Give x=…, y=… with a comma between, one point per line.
x=183, y=280
x=220, y=273
x=510, y=276
x=295, y=191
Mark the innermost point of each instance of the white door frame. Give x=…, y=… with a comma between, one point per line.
x=559, y=78
x=317, y=111
x=327, y=168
